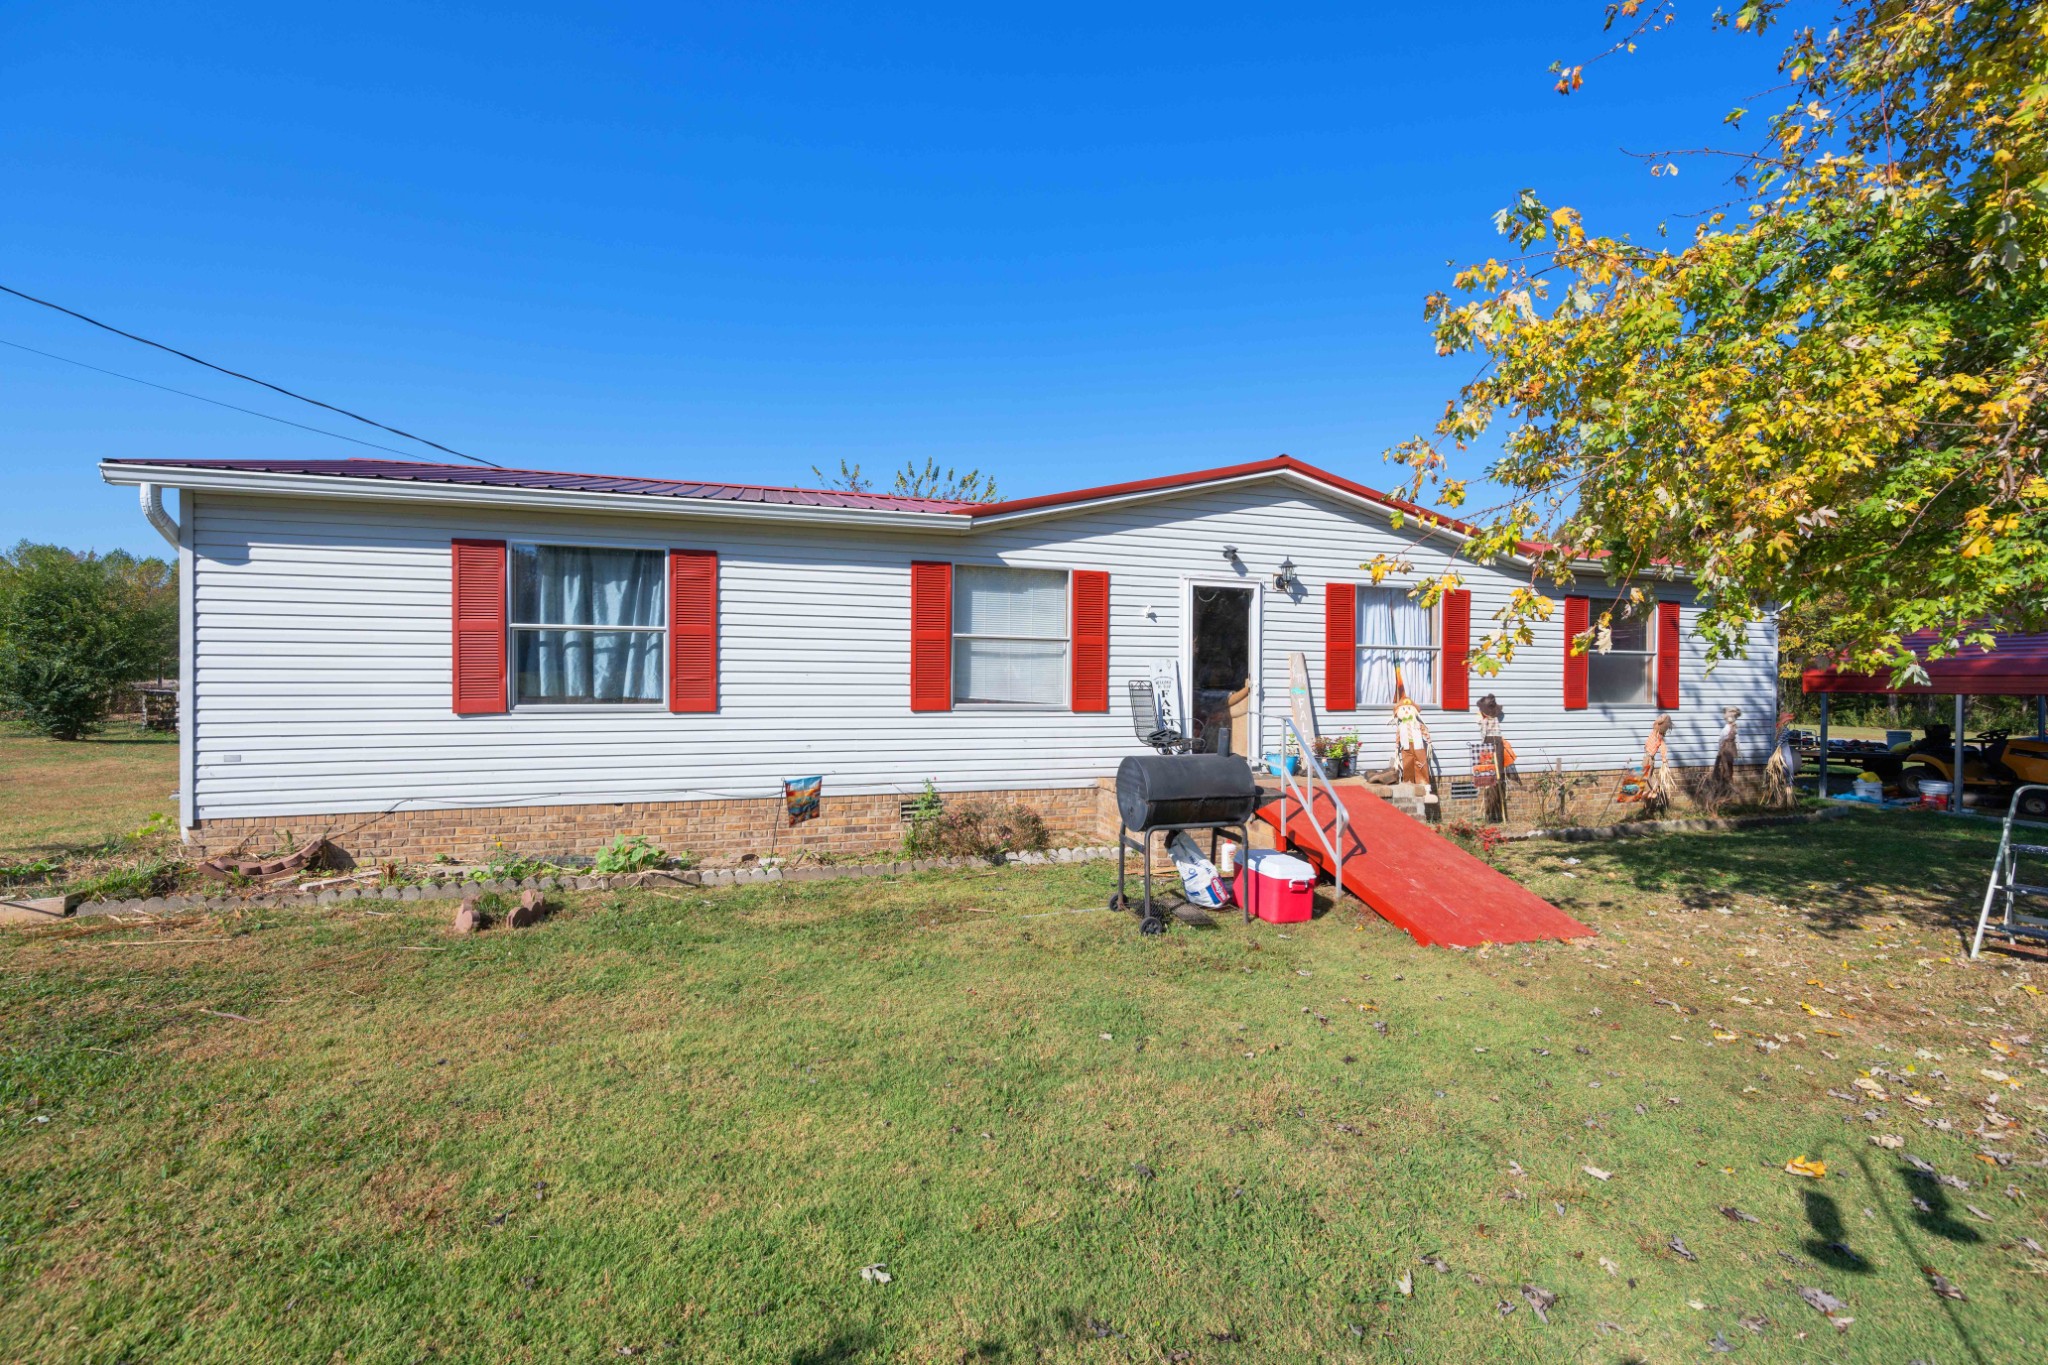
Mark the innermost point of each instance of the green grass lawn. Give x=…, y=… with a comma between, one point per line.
x=62, y=795
x=676, y=1125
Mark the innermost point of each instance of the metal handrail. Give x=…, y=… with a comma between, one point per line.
x=1288, y=787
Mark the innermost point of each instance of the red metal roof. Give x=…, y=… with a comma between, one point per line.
x=2017, y=667
x=419, y=471
x=410, y=471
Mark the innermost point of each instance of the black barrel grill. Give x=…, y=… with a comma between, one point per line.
x=1161, y=793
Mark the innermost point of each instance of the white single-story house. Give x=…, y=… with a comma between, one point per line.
x=417, y=658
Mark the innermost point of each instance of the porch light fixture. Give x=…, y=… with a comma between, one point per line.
x=1285, y=576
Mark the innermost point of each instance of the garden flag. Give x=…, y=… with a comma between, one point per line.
x=800, y=798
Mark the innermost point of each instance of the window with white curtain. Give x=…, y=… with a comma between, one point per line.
x=1621, y=674
x=1009, y=636
x=1395, y=632
x=588, y=625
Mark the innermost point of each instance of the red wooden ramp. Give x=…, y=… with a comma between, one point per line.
x=1419, y=880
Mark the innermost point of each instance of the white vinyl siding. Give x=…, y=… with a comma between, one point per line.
x=321, y=658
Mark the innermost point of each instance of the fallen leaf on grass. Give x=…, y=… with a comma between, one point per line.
x=1891, y=1142
x=1719, y=1344
x=1806, y=1166
x=1828, y=1304
x=878, y=1273
x=1597, y=1173
x=1404, y=1284
x=1609, y=1266
x=1941, y=1286
x=1434, y=1262
x=1735, y=1215
x=1678, y=1245
x=1541, y=1301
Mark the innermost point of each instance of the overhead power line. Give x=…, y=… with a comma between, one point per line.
x=183, y=393
x=237, y=374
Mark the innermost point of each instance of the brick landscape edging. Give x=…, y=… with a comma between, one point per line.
x=456, y=890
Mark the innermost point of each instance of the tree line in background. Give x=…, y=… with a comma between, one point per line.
x=76, y=629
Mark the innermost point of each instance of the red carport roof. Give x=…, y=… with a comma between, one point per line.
x=2017, y=667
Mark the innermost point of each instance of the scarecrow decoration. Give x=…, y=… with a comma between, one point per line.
x=1721, y=783
x=1493, y=760
x=1411, y=736
x=1778, y=773
x=1654, y=786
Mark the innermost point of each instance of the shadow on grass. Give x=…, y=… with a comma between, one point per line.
x=1830, y=1241
x=1843, y=872
x=839, y=1349
x=1883, y=1200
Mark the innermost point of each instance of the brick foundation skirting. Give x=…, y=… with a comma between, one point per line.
x=724, y=831
x=1588, y=797
x=713, y=831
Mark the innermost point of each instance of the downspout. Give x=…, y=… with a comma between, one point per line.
x=153, y=508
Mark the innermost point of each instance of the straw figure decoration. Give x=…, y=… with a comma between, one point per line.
x=1721, y=782
x=1656, y=785
x=1778, y=773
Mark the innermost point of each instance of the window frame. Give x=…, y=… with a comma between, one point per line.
x=1065, y=639
x=1595, y=606
x=512, y=628
x=1359, y=650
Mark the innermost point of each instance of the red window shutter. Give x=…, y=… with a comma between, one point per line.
x=692, y=630
x=931, y=636
x=477, y=573
x=1578, y=615
x=1089, y=589
x=1340, y=647
x=1667, y=655
x=1457, y=688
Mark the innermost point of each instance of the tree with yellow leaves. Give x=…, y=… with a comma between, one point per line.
x=1829, y=398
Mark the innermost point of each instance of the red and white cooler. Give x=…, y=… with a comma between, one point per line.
x=1277, y=887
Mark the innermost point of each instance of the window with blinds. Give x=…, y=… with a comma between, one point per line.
x=1010, y=642
x=1621, y=666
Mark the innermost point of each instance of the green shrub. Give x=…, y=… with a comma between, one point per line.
x=921, y=837
x=623, y=854
x=75, y=628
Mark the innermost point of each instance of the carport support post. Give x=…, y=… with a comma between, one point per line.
x=1955, y=793
x=1822, y=783
x=2041, y=717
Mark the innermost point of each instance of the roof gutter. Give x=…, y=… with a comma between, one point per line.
x=543, y=499
x=153, y=509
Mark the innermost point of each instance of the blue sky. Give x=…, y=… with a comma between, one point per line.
x=731, y=242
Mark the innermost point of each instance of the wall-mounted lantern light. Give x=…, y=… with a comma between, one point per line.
x=1285, y=577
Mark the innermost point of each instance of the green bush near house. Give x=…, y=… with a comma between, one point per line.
x=74, y=628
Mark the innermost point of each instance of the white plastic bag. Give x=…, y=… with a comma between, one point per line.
x=1198, y=878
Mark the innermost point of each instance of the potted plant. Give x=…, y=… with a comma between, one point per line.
x=1335, y=753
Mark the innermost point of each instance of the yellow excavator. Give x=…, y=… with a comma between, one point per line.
x=1994, y=763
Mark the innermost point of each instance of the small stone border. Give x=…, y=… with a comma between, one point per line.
x=1586, y=834
x=713, y=876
